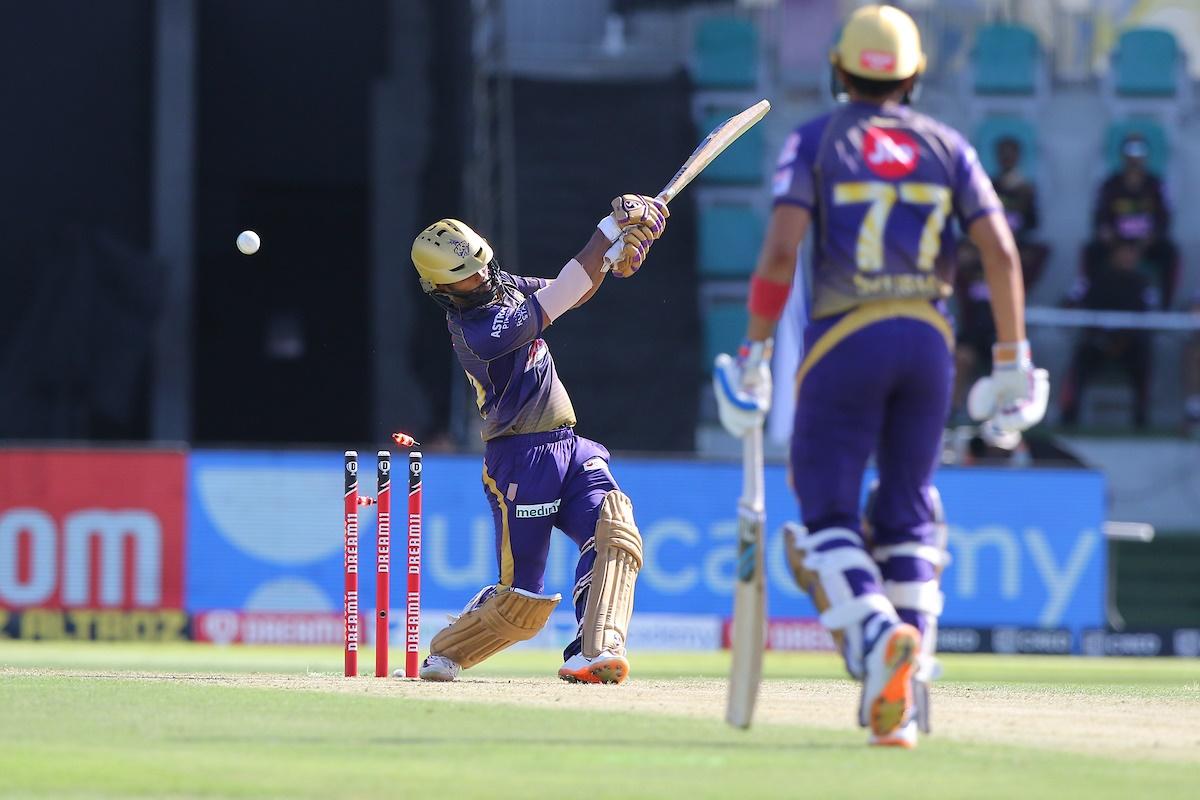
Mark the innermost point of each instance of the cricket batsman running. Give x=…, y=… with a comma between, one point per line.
x=537, y=473
x=877, y=184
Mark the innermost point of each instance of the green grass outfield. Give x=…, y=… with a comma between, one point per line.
x=93, y=732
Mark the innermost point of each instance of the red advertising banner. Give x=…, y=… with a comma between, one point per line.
x=788, y=633
x=222, y=626
x=91, y=529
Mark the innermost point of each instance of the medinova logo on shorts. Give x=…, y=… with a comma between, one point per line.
x=537, y=510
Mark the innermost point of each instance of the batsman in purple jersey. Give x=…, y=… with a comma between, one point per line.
x=878, y=185
x=537, y=473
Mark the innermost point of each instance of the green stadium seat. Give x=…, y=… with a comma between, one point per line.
x=724, y=328
x=742, y=162
x=1006, y=59
x=730, y=235
x=1146, y=63
x=993, y=129
x=726, y=54
x=1156, y=140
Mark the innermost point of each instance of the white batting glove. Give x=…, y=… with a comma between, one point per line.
x=1014, y=397
x=743, y=387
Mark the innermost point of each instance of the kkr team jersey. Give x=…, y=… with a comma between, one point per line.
x=881, y=182
x=500, y=347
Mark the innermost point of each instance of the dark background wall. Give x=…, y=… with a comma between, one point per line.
x=630, y=357
x=282, y=147
x=75, y=298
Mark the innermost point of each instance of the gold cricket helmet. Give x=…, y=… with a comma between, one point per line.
x=448, y=251
x=879, y=43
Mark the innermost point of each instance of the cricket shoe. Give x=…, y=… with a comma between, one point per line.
x=604, y=668
x=439, y=668
x=905, y=736
x=887, y=698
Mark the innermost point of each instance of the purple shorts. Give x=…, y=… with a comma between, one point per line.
x=536, y=482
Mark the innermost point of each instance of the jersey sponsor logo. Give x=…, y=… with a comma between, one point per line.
x=890, y=154
x=595, y=462
x=500, y=322
x=877, y=61
x=507, y=317
x=790, y=147
x=535, y=510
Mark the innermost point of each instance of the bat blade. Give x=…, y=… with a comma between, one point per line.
x=749, y=594
x=713, y=145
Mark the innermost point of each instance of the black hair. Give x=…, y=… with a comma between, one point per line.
x=871, y=88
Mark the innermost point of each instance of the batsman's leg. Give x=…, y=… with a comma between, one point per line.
x=905, y=515
x=599, y=518
x=839, y=416
x=523, y=493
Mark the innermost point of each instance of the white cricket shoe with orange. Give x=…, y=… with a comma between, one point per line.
x=887, y=698
x=604, y=668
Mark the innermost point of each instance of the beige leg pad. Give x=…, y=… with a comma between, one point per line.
x=618, y=561
x=503, y=619
x=808, y=580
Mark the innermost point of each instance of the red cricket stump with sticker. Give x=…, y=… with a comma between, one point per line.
x=412, y=605
x=350, y=562
x=383, y=559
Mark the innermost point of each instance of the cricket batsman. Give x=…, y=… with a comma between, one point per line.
x=537, y=473
x=877, y=184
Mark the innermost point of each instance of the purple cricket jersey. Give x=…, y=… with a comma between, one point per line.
x=500, y=347
x=880, y=182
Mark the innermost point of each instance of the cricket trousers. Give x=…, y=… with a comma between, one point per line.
x=536, y=482
x=877, y=380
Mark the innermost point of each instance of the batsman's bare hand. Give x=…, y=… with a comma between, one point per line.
x=639, y=209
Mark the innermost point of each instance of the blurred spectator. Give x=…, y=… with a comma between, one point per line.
x=1019, y=196
x=1132, y=208
x=1191, y=377
x=1116, y=284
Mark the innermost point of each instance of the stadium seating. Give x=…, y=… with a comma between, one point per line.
x=726, y=54
x=1146, y=63
x=742, y=163
x=1156, y=140
x=1005, y=60
x=993, y=129
x=730, y=235
x=724, y=328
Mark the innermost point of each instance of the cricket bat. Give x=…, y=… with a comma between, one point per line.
x=718, y=139
x=749, y=592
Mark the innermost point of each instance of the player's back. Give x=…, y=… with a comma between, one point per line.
x=881, y=182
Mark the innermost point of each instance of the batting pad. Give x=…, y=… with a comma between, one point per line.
x=614, y=573
x=503, y=619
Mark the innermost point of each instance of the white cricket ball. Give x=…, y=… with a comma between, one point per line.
x=248, y=242
x=398, y=672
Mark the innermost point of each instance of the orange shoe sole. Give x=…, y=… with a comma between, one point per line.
x=890, y=709
x=609, y=670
